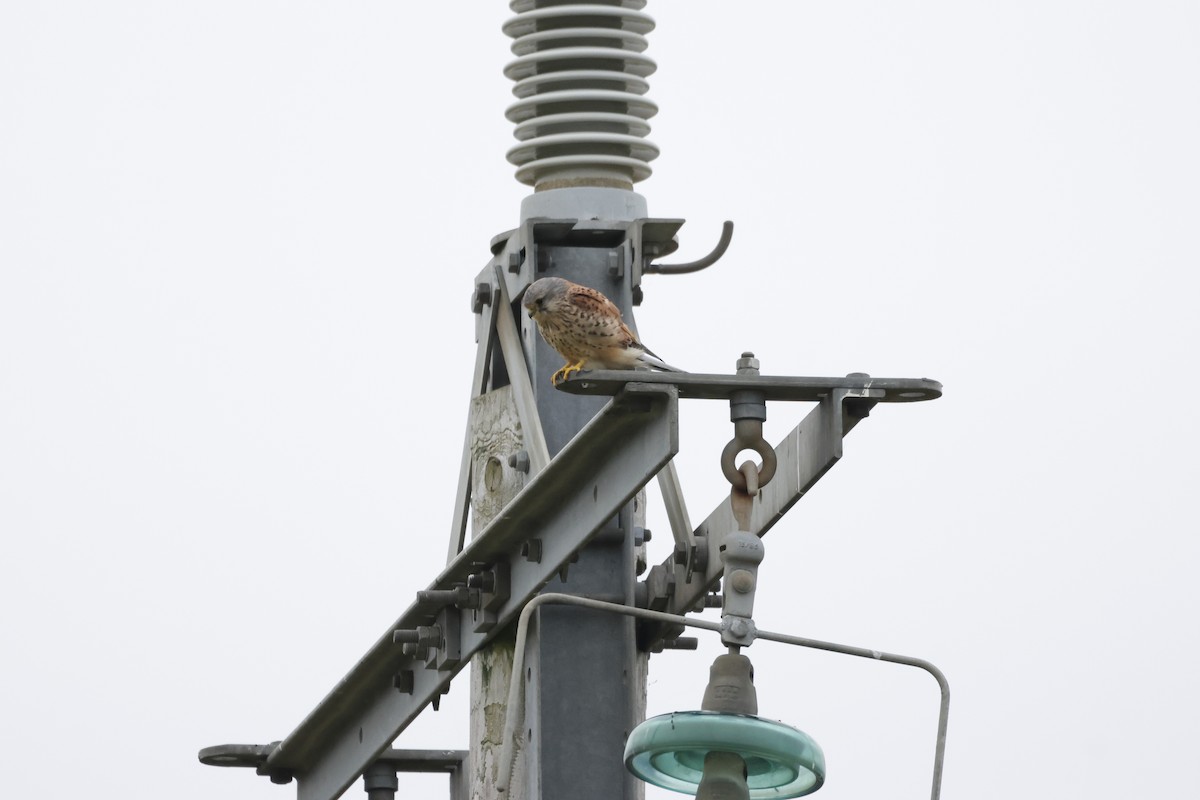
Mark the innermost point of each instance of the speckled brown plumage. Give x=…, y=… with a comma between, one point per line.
x=586, y=328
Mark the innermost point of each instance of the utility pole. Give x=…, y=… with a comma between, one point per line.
x=581, y=116
x=543, y=600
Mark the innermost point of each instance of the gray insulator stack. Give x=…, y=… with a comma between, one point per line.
x=581, y=112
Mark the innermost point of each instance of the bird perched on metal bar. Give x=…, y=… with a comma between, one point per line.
x=586, y=328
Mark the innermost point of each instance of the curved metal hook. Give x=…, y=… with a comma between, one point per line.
x=696, y=266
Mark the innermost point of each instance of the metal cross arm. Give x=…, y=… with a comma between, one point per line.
x=381, y=773
x=717, y=386
x=480, y=592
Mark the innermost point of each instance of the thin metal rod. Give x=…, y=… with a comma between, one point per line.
x=698, y=264
x=677, y=515
x=479, y=379
x=862, y=652
x=518, y=375
x=516, y=706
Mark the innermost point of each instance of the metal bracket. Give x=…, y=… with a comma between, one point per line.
x=716, y=386
x=803, y=457
x=495, y=587
x=453, y=762
x=741, y=553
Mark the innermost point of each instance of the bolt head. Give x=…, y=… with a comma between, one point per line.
x=519, y=461
x=482, y=297
x=747, y=364
x=741, y=581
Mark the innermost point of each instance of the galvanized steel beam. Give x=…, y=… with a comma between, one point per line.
x=452, y=762
x=714, y=386
x=585, y=485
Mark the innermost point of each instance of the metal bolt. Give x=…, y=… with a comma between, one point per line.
x=532, y=550
x=421, y=636
x=460, y=597
x=482, y=297
x=742, y=581
x=519, y=461
x=486, y=580
x=280, y=776
x=681, y=643
x=615, y=266
x=380, y=777
x=515, y=260
x=747, y=364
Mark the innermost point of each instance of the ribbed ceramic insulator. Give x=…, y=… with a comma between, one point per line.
x=581, y=112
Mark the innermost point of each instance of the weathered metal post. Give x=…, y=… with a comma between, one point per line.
x=580, y=119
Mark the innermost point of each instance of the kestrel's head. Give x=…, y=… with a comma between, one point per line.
x=543, y=295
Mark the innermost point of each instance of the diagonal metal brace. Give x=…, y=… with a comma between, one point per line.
x=584, y=486
x=803, y=457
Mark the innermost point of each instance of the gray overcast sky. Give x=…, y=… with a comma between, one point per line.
x=237, y=243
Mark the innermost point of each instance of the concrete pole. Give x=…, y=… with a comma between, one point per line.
x=495, y=436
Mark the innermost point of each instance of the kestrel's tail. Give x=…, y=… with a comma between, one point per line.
x=651, y=360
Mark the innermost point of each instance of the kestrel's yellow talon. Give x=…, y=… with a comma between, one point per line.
x=565, y=372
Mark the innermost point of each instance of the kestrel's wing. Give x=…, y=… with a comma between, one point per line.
x=594, y=304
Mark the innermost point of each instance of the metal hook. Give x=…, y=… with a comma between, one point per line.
x=734, y=475
x=696, y=266
x=749, y=472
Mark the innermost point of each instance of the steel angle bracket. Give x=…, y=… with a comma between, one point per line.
x=584, y=486
x=716, y=386
x=804, y=456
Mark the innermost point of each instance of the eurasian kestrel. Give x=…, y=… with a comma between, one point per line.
x=586, y=328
